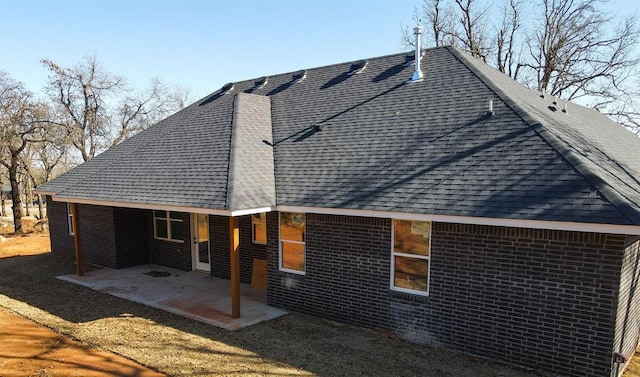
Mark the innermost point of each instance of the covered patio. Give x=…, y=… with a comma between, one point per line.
x=187, y=293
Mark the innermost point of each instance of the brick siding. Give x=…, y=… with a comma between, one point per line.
x=219, y=234
x=123, y=237
x=169, y=253
x=537, y=298
x=248, y=250
x=132, y=228
x=61, y=240
x=97, y=237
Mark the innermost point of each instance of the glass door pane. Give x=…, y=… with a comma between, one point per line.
x=201, y=242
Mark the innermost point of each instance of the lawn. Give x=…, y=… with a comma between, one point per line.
x=293, y=345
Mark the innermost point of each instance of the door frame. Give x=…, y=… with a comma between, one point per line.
x=195, y=245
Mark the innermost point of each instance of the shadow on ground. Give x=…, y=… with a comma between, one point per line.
x=292, y=345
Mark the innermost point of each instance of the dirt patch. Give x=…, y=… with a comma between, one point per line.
x=158, y=274
x=32, y=350
x=33, y=244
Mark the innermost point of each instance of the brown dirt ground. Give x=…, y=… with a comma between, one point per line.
x=293, y=345
x=32, y=244
x=32, y=350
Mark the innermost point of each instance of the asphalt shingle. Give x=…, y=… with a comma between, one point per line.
x=251, y=180
x=371, y=141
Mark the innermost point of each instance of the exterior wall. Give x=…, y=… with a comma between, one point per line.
x=219, y=234
x=132, y=227
x=168, y=253
x=97, y=238
x=537, y=298
x=61, y=240
x=628, y=313
x=248, y=250
x=123, y=237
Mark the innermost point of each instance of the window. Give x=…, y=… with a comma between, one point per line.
x=70, y=218
x=292, y=247
x=410, y=256
x=168, y=226
x=259, y=228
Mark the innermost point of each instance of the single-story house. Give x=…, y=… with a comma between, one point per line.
x=425, y=194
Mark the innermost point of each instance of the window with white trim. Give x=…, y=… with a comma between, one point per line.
x=411, y=256
x=70, y=218
x=168, y=226
x=259, y=228
x=292, y=242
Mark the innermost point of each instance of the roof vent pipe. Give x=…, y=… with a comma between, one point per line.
x=417, y=74
x=490, y=112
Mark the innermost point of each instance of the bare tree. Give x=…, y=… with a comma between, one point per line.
x=3, y=176
x=18, y=125
x=473, y=29
x=139, y=110
x=98, y=109
x=573, y=55
x=83, y=93
x=462, y=24
x=506, y=41
x=571, y=49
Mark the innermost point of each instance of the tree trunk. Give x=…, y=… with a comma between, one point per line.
x=3, y=213
x=16, y=204
x=27, y=198
x=40, y=208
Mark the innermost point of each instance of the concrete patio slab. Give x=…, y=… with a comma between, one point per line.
x=190, y=294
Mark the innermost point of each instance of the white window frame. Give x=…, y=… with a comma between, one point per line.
x=423, y=257
x=70, y=219
x=168, y=220
x=303, y=243
x=263, y=220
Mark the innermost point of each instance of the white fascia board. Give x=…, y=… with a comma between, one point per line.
x=162, y=207
x=250, y=211
x=516, y=223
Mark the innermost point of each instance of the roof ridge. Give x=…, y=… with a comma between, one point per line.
x=321, y=67
x=618, y=200
x=228, y=187
x=251, y=177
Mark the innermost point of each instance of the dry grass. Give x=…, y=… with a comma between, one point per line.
x=35, y=243
x=633, y=369
x=293, y=345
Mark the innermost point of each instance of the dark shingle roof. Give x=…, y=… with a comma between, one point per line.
x=607, y=155
x=371, y=141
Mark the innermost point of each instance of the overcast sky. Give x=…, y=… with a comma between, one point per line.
x=197, y=43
